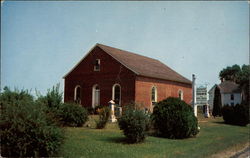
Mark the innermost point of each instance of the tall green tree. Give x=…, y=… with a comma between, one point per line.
x=217, y=102
x=244, y=83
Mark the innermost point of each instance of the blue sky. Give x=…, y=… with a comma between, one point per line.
x=42, y=41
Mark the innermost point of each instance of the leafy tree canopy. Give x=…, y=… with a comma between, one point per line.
x=236, y=73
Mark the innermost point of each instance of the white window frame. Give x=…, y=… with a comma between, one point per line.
x=156, y=94
x=75, y=91
x=93, y=95
x=180, y=91
x=113, y=92
x=99, y=62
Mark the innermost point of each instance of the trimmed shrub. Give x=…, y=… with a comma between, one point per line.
x=134, y=124
x=104, y=114
x=228, y=114
x=73, y=115
x=242, y=114
x=173, y=118
x=25, y=130
x=236, y=115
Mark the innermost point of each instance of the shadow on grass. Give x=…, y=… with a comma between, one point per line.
x=120, y=140
x=219, y=122
x=230, y=124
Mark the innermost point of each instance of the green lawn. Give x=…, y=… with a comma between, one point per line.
x=214, y=137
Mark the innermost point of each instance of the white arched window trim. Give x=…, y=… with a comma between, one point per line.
x=180, y=94
x=113, y=92
x=94, y=95
x=75, y=92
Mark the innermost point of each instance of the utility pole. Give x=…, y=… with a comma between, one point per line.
x=194, y=95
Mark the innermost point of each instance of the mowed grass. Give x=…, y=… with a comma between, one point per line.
x=214, y=137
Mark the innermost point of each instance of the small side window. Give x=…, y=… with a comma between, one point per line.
x=180, y=94
x=232, y=97
x=153, y=95
x=97, y=65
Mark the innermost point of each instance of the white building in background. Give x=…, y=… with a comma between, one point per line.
x=211, y=97
x=230, y=94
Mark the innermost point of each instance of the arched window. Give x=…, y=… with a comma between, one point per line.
x=95, y=96
x=180, y=94
x=77, y=94
x=153, y=95
x=116, y=94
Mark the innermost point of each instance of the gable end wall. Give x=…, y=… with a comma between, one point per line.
x=111, y=72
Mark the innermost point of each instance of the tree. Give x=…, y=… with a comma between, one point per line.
x=217, y=102
x=239, y=75
x=231, y=73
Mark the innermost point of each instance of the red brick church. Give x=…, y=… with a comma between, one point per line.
x=107, y=73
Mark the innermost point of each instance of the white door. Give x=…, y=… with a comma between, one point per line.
x=96, y=96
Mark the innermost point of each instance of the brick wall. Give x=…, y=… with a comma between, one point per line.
x=165, y=89
x=111, y=72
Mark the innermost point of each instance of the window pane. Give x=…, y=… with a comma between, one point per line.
x=117, y=94
x=97, y=98
x=153, y=98
x=232, y=97
x=78, y=93
x=97, y=65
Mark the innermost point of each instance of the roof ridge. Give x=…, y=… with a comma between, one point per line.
x=139, y=64
x=126, y=51
x=109, y=50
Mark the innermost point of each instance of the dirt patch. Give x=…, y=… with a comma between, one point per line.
x=232, y=151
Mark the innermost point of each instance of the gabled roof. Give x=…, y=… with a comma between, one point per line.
x=229, y=87
x=141, y=65
x=212, y=89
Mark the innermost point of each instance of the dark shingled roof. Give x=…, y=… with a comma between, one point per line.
x=144, y=66
x=229, y=87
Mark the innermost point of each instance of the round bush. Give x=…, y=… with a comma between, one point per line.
x=134, y=124
x=228, y=114
x=242, y=114
x=236, y=115
x=25, y=129
x=73, y=115
x=173, y=118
